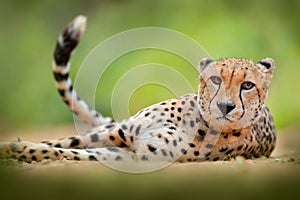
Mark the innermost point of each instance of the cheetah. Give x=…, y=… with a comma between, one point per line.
x=225, y=118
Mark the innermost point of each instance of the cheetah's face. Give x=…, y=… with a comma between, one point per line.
x=233, y=91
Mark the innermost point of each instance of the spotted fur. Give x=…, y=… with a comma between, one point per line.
x=227, y=117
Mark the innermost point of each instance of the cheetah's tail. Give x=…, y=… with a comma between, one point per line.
x=66, y=43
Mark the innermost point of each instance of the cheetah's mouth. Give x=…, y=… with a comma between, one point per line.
x=225, y=117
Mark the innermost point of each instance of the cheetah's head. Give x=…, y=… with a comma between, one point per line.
x=233, y=91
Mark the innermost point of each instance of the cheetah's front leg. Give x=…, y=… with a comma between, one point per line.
x=104, y=136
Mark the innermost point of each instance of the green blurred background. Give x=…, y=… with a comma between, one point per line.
x=249, y=29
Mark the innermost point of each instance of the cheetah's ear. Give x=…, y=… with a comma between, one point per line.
x=204, y=63
x=267, y=66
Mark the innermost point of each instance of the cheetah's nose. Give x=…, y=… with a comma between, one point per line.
x=225, y=107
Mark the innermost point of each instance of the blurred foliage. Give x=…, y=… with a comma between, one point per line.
x=249, y=29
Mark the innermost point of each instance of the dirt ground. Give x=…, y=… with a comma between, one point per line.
x=277, y=177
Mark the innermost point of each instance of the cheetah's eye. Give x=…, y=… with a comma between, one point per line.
x=247, y=85
x=216, y=80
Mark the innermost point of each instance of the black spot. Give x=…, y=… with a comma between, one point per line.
x=192, y=124
x=33, y=158
x=22, y=157
x=178, y=118
x=118, y=158
x=183, y=102
x=179, y=139
x=138, y=130
x=131, y=128
x=74, y=142
x=166, y=140
x=173, y=103
x=183, y=151
x=251, y=138
x=209, y=146
x=31, y=151
x=145, y=157
x=213, y=132
x=109, y=126
x=163, y=103
x=229, y=151
x=171, y=154
x=216, y=159
x=172, y=128
x=189, y=160
x=172, y=108
x=46, y=157
x=223, y=149
x=131, y=138
x=196, y=153
x=112, y=138
x=60, y=151
x=112, y=149
x=147, y=114
x=44, y=151
x=74, y=152
x=60, y=77
x=151, y=148
x=172, y=115
x=122, y=135
x=66, y=102
x=225, y=135
x=164, y=153
x=94, y=137
x=57, y=145
x=122, y=145
x=236, y=134
x=124, y=126
x=76, y=158
x=169, y=132
x=192, y=145
x=61, y=92
x=166, y=109
x=71, y=88
x=192, y=103
x=175, y=143
x=154, y=109
x=201, y=132
x=162, y=114
x=91, y=157
x=207, y=154
x=240, y=147
x=170, y=121
x=159, y=121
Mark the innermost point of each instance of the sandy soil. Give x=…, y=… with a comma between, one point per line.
x=277, y=177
